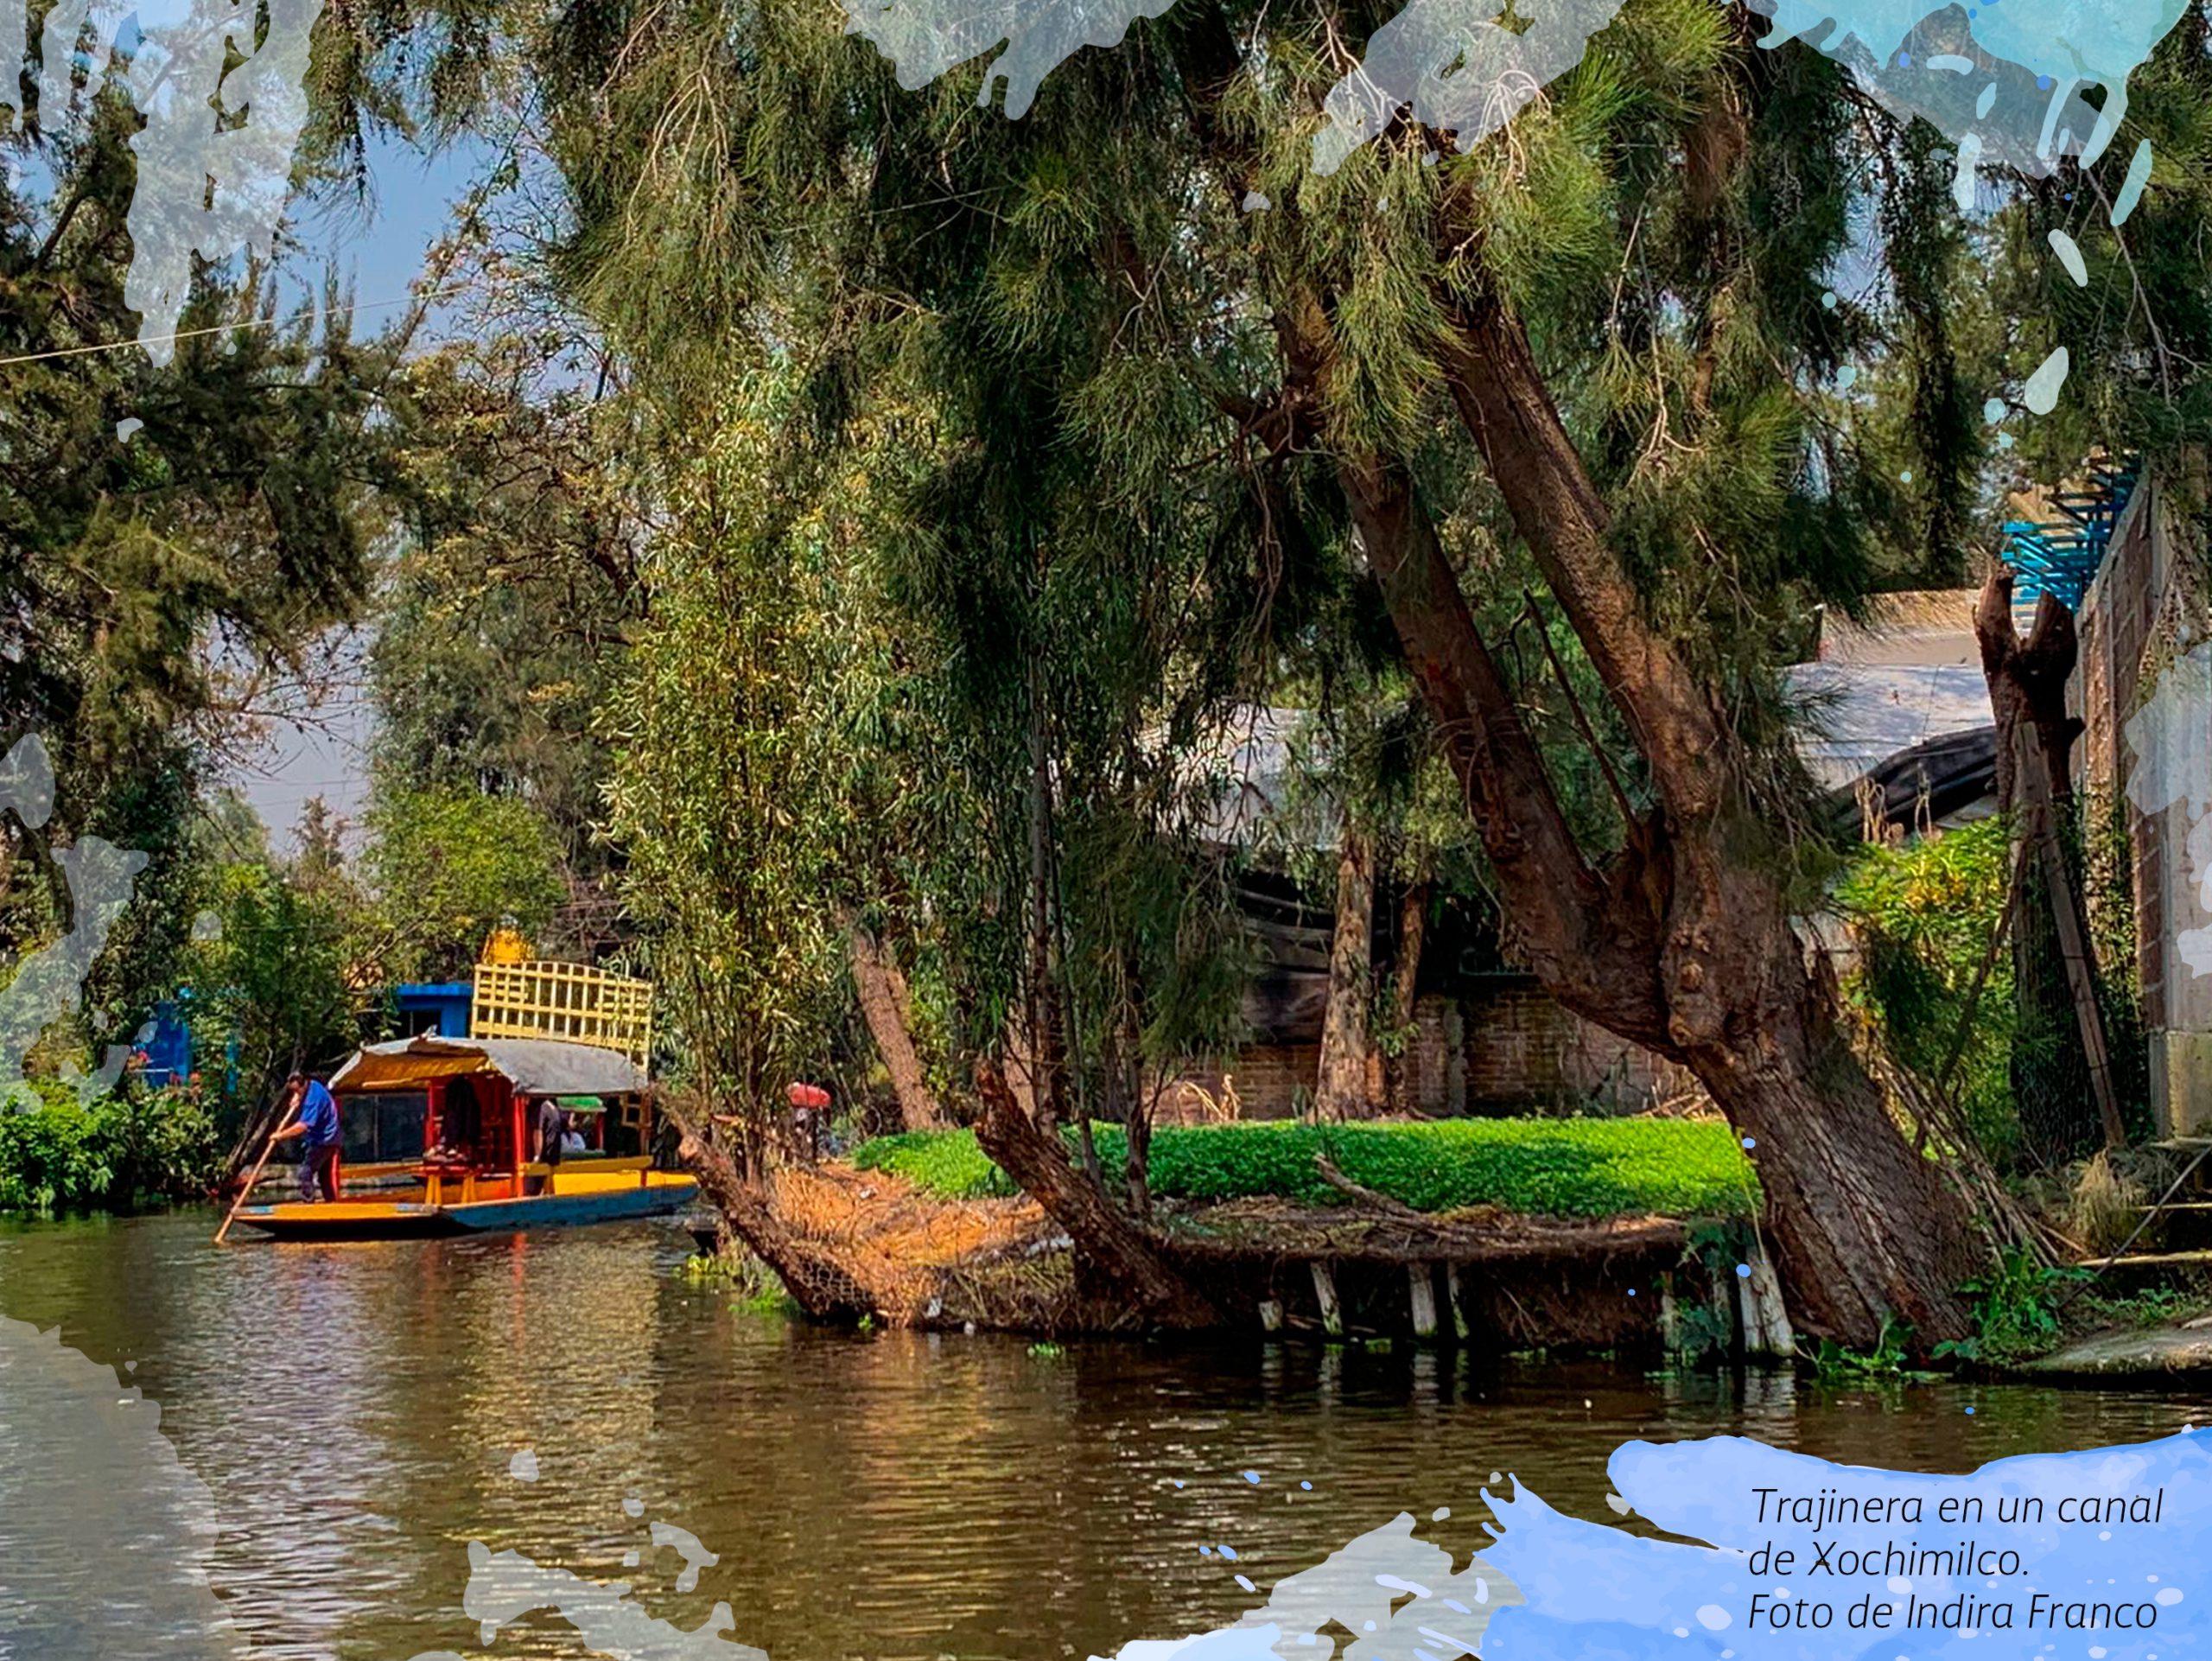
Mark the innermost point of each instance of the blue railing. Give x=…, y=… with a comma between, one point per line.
x=2058, y=556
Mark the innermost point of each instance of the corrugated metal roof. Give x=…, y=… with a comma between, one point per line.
x=1243, y=768
x=535, y=1066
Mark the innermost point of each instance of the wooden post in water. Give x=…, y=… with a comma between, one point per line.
x=1451, y=1297
x=1766, y=1318
x=1420, y=1286
x=1270, y=1315
x=1324, y=1293
x=1670, y=1316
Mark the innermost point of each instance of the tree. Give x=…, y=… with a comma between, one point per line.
x=887, y=1006
x=175, y=537
x=268, y=977
x=1591, y=354
x=446, y=867
x=724, y=788
x=504, y=615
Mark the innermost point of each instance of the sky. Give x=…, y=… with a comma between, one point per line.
x=378, y=248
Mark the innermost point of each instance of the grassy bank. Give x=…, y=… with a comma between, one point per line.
x=1558, y=1167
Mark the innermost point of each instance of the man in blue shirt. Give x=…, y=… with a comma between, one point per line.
x=317, y=1126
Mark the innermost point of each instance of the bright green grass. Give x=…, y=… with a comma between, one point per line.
x=1558, y=1167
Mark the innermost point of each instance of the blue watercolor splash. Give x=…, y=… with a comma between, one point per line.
x=2010, y=76
x=1592, y=1591
x=1554, y=1588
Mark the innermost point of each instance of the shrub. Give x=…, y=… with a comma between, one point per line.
x=1562, y=1168
x=61, y=1156
x=1923, y=913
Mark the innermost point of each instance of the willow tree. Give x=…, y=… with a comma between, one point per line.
x=1589, y=353
x=724, y=784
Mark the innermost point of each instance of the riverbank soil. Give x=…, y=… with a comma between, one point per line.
x=851, y=1243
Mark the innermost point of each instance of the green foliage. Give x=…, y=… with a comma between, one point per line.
x=2015, y=1309
x=272, y=979
x=1565, y=1168
x=1923, y=913
x=120, y=1149
x=725, y=787
x=448, y=867
x=947, y=1163
x=2154, y=1306
x=1888, y=1361
x=502, y=622
x=161, y=590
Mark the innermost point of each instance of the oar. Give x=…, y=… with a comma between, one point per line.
x=246, y=1193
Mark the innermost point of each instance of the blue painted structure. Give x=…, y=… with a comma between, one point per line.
x=2058, y=556
x=440, y=1007
x=168, y=1049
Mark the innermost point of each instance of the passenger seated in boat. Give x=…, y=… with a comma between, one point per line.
x=573, y=1142
x=552, y=1126
x=457, y=1126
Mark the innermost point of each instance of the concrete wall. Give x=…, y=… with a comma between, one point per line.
x=2146, y=604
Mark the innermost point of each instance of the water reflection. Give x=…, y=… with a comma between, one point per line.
x=354, y=1410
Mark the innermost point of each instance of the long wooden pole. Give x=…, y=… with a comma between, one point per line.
x=246, y=1192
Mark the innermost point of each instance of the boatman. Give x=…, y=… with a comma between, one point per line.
x=317, y=1127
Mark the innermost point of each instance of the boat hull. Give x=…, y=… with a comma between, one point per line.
x=664, y=1194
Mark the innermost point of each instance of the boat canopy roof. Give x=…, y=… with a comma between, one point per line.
x=535, y=1066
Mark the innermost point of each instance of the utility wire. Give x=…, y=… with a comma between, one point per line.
x=217, y=329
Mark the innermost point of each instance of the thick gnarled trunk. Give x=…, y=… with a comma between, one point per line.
x=2055, y=1082
x=1681, y=944
x=1405, y=983
x=820, y=1287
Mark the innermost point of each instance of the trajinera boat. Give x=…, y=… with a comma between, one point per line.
x=442, y=1127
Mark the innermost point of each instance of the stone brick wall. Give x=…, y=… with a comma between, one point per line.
x=1527, y=1054
x=1509, y=1050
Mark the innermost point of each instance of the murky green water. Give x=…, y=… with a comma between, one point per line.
x=355, y=1410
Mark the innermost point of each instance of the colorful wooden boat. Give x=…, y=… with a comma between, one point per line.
x=441, y=1128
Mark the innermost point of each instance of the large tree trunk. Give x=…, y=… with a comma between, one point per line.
x=882, y=991
x=1340, y=1092
x=817, y=1284
x=1037, y=1160
x=2027, y=685
x=1686, y=950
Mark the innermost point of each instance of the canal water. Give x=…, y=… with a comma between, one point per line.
x=357, y=1411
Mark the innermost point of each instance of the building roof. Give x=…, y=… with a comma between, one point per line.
x=1933, y=626
x=1858, y=716
x=535, y=1066
x=1246, y=771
